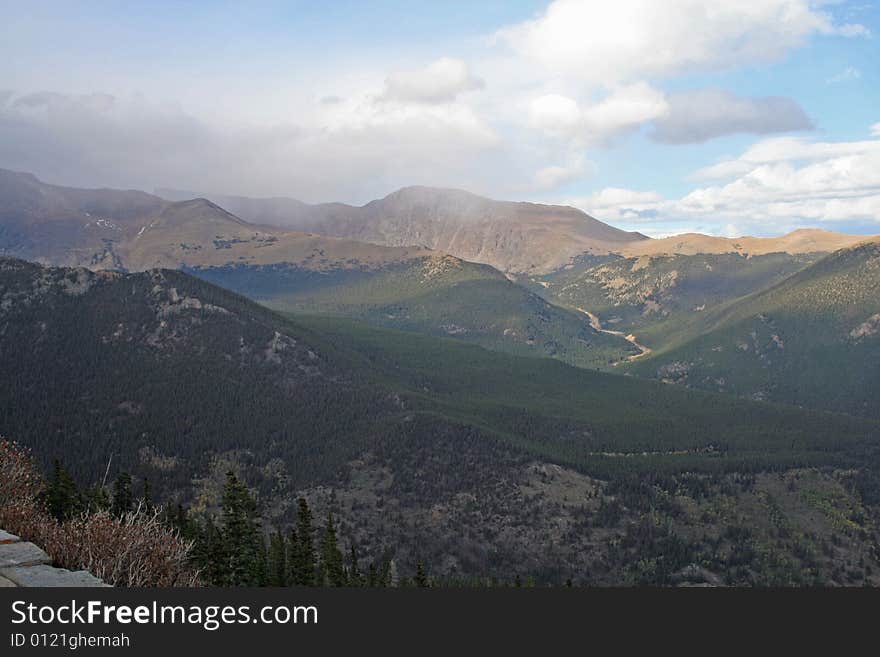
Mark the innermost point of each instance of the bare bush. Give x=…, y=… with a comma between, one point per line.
x=22, y=482
x=135, y=550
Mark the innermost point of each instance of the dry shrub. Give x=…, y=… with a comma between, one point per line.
x=20, y=488
x=136, y=550
x=22, y=482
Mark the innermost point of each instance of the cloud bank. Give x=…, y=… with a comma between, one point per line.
x=774, y=186
x=527, y=113
x=439, y=82
x=703, y=114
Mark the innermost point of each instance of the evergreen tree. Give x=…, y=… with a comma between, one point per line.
x=242, y=549
x=333, y=571
x=278, y=566
x=304, y=561
x=209, y=554
x=354, y=574
x=122, y=496
x=147, y=497
x=181, y=522
x=62, y=496
x=97, y=499
x=292, y=543
x=261, y=564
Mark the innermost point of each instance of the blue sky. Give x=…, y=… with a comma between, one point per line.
x=619, y=108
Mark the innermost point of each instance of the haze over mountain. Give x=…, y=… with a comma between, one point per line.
x=514, y=237
x=405, y=287
x=803, y=240
x=115, y=229
x=517, y=238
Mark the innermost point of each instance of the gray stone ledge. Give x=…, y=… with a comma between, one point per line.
x=22, y=554
x=39, y=576
x=6, y=537
x=25, y=564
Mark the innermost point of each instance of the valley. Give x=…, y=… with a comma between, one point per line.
x=481, y=464
x=617, y=410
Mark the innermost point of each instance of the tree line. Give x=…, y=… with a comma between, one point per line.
x=234, y=549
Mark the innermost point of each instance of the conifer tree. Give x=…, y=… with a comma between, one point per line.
x=278, y=566
x=147, y=497
x=62, y=497
x=332, y=567
x=208, y=552
x=97, y=499
x=290, y=576
x=354, y=574
x=304, y=565
x=242, y=548
x=122, y=496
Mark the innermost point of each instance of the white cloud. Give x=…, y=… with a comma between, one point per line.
x=584, y=68
x=439, y=82
x=785, y=149
x=611, y=42
x=347, y=151
x=553, y=176
x=575, y=78
x=555, y=115
x=616, y=197
x=625, y=108
x=774, y=186
x=700, y=115
x=875, y=130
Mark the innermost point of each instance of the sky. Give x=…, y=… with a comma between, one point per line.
x=729, y=117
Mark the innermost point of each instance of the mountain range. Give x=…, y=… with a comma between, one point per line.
x=398, y=364
x=512, y=237
x=516, y=238
x=563, y=284
x=477, y=463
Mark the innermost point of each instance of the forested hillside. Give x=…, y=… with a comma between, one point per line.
x=810, y=340
x=436, y=295
x=475, y=463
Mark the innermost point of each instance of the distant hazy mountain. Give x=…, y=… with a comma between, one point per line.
x=404, y=287
x=517, y=238
x=112, y=229
x=510, y=236
x=804, y=240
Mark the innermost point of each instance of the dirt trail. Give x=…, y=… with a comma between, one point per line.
x=597, y=325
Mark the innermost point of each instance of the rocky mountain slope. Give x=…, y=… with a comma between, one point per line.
x=405, y=287
x=437, y=295
x=655, y=296
x=512, y=237
x=813, y=339
x=112, y=229
x=420, y=424
x=522, y=239
x=802, y=241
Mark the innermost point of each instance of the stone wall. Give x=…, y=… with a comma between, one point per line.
x=25, y=564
